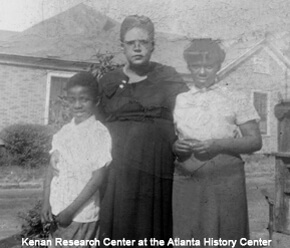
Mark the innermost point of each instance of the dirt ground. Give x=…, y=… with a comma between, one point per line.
x=13, y=201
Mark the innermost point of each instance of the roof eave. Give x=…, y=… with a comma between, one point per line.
x=229, y=68
x=43, y=63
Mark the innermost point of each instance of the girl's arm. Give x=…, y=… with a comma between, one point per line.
x=65, y=217
x=46, y=215
x=250, y=141
x=51, y=171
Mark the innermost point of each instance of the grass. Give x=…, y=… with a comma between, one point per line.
x=18, y=174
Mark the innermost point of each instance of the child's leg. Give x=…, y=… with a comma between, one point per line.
x=76, y=231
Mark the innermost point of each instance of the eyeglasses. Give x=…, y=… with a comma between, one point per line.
x=143, y=43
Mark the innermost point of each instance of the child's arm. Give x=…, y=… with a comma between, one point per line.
x=46, y=215
x=65, y=217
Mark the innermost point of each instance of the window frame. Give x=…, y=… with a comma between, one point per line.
x=50, y=75
x=268, y=131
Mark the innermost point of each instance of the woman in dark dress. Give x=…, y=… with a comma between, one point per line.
x=138, y=101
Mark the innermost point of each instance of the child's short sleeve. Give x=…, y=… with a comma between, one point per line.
x=54, y=143
x=57, y=138
x=179, y=111
x=105, y=154
x=244, y=109
x=101, y=146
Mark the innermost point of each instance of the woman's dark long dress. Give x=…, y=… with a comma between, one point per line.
x=137, y=202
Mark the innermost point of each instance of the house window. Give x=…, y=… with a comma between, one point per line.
x=57, y=87
x=56, y=83
x=261, y=103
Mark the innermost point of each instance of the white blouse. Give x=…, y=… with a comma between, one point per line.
x=213, y=113
x=83, y=148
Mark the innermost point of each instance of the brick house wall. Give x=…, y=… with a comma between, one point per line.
x=23, y=92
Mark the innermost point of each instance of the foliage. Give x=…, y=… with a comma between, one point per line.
x=26, y=144
x=32, y=228
x=105, y=64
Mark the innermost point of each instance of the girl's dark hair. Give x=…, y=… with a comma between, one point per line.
x=206, y=46
x=84, y=79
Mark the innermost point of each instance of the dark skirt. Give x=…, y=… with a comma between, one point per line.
x=137, y=203
x=211, y=202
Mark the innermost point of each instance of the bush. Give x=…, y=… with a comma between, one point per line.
x=32, y=228
x=105, y=64
x=26, y=144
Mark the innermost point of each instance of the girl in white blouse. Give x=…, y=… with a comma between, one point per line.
x=214, y=126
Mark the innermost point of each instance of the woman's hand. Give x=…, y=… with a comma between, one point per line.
x=205, y=147
x=46, y=214
x=204, y=150
x=183, y=149
x=64, y=218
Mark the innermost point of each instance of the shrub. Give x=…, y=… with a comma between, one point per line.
x=26, y=144
x=32, y=228
x=105, y=64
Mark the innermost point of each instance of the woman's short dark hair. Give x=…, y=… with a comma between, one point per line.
x=209, y=47
x=135, y=21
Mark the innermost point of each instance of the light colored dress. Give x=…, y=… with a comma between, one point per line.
x=211, y=201
x=83, y=148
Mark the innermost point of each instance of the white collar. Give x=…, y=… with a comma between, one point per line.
x=194, y=90
x=84, y=123
x=133, y=78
